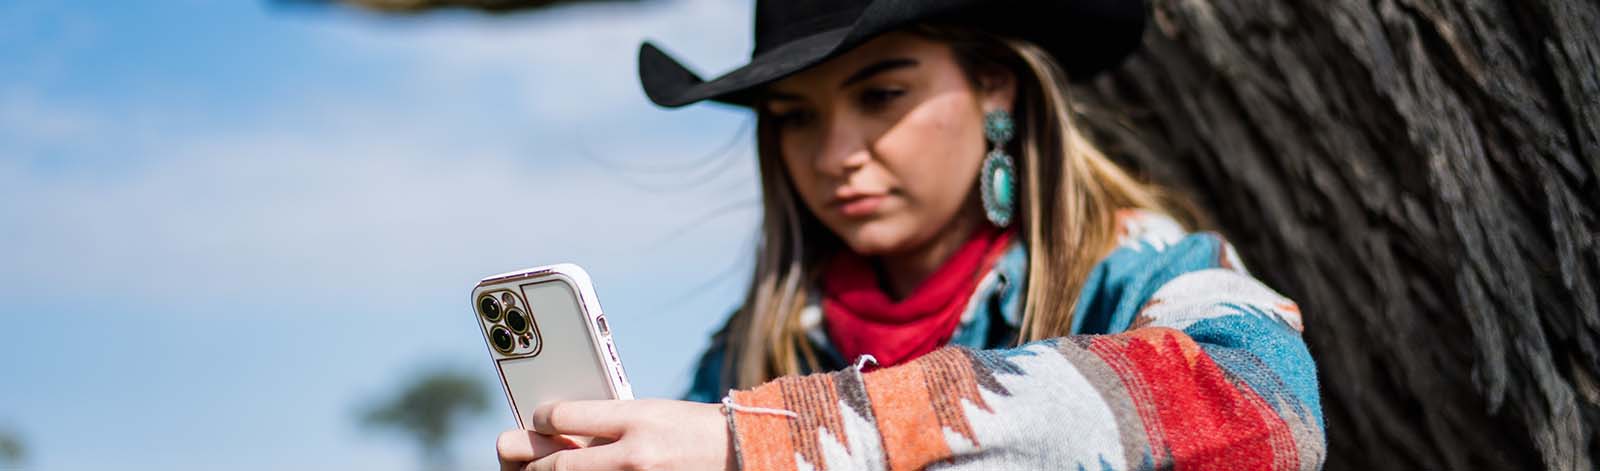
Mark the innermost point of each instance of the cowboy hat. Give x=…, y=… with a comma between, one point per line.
x=1085, y=36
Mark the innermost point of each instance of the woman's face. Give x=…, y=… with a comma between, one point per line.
x=884, y=143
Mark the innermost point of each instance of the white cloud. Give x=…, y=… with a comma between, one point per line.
x=23, y=116
x=304, y=214
x=315, y=198
x=574, y=63
x=328, y=188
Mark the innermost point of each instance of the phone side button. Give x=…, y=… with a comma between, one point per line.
x=611, y=349
x=600, y=322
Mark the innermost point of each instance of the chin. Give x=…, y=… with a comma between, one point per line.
x=876, y=237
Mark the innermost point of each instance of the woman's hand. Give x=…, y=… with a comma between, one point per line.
x=518, y=447
x=633, y=435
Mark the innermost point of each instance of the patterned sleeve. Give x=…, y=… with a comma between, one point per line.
x=1207, y=370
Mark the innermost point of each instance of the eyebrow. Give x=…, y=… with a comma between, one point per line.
x=878, y=68
x=863, y=74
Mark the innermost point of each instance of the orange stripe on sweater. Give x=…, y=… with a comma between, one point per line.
x=907, y=421
x=763, y=439
x=950, y=380
x=814, y=399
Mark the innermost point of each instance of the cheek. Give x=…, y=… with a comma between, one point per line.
x=935, y=151
x=796, y=143
x=802, y=177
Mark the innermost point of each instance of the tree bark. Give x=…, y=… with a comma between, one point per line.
x=1421, y=176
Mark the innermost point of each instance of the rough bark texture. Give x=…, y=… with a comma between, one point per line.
x=1421, y=176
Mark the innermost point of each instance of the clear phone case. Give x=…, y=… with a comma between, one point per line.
x=548, y=338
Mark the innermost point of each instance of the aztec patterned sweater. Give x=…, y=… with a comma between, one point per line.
x=1179, y=359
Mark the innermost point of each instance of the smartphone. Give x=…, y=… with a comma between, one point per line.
x=548, y=338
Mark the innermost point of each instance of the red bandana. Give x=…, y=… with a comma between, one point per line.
x=861, y=319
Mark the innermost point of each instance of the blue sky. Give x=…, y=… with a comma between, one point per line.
x=225, y=225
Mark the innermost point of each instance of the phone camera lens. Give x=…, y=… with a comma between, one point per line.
x=517, y=321
x=489, y=308
x=502, y=339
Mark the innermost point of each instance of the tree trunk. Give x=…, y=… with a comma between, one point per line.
x=1421, y=176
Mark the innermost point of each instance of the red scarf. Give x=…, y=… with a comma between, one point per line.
x=862, y=319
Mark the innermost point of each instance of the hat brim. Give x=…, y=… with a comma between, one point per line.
x=668, y=83
x=1085, y=36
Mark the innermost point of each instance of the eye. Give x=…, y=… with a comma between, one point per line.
x=875, y=98
x=793, y=118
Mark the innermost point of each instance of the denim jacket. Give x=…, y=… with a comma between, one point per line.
x=1177, y=358
x=994, y=312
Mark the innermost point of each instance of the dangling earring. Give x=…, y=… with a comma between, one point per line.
x=998, y=182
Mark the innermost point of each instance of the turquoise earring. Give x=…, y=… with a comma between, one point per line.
x=998, y=182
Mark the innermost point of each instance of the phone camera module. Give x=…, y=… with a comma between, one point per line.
x=516, y=321
x=489, y=308
x=502, y=339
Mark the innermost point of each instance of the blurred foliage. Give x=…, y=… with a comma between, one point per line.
x=428, y=410
x=11, y=451
x=417, y=6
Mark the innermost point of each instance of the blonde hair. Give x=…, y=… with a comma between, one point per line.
x=1069, y=194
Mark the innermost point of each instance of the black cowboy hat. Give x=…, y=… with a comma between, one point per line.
x=1085, y=36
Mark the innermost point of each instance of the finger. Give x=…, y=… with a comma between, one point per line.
x=518, y=447
x=582, y=459
x=606, y=419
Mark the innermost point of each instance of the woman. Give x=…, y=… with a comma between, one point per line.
x=977, y=286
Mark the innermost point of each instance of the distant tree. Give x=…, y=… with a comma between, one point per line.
x=428, y=409
x=11, y=451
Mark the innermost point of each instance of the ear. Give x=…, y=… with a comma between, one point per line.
x=997, y=89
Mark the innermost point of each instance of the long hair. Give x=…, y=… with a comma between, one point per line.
x=1069, y=195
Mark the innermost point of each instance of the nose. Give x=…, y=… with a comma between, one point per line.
x=844, y=147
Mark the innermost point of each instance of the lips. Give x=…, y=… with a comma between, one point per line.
x=860, y=206
x=855, y=203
